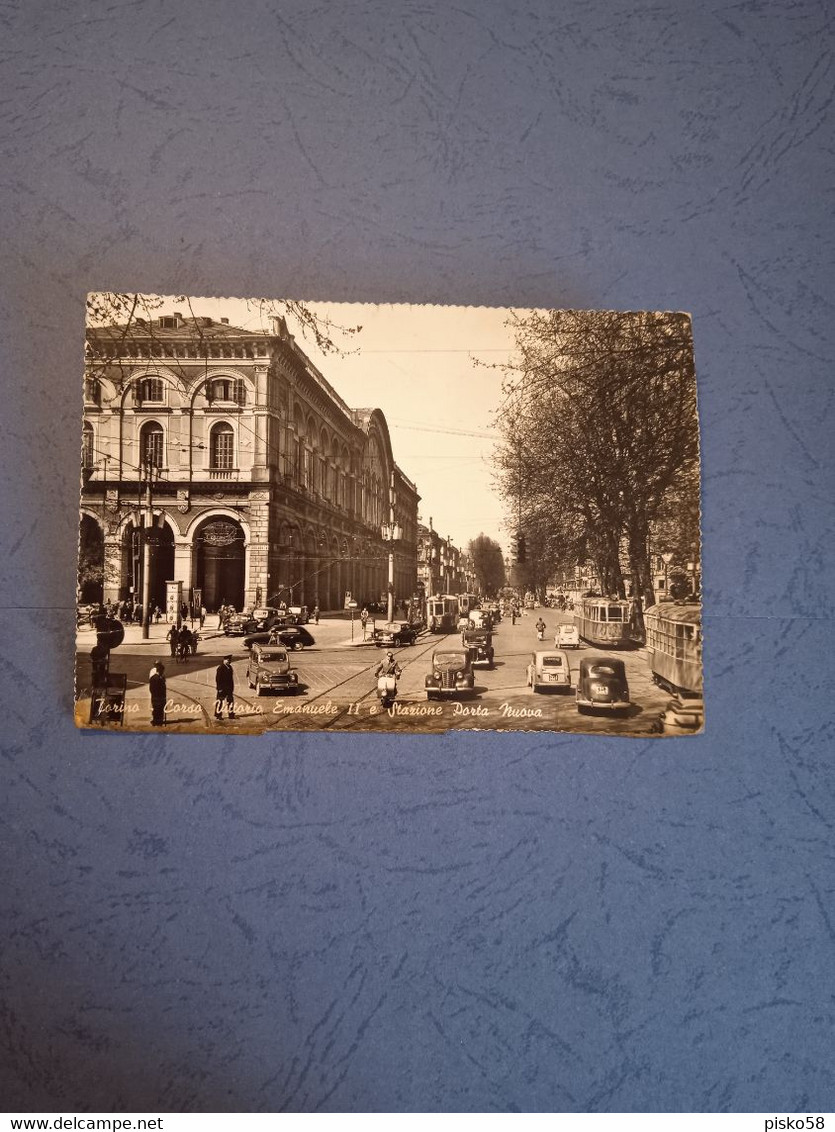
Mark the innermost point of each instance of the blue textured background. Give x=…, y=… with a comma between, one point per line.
x=337, y=923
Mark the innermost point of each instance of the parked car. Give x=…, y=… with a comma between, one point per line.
x=479, y=644
x=297, y=615
x=268, y=669
x=549, y=669
x=293, y=636
x=567, y=637
x=395, y=633
x=602, y=684
x=451, y=675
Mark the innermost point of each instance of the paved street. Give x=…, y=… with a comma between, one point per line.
x=337, y=688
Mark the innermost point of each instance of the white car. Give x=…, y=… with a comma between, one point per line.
x=568, y=637
x=549, y=669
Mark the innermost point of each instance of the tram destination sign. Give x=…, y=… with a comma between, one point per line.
x=397, y=518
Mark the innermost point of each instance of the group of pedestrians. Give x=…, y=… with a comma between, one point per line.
x=183, y=642
x=224, y=691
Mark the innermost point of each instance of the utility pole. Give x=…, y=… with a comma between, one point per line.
x=391, y=549
x=147, y=529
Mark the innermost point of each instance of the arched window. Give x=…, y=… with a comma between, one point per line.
x=151, y=444
x=226, y=389
x=150, y=390
x=87, y=446
x=222, y=448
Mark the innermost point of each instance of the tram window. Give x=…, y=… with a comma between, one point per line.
x=615, y=613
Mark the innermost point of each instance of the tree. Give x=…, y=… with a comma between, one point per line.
x=599, y=429
x=488, y=563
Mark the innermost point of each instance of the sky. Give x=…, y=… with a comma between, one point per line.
x=417, y=364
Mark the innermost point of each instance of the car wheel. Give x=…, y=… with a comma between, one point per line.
x=297, y=646
x=257, y=687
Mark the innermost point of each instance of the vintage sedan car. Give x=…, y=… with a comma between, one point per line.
x=395, y=633
x=297, y=615
x=479, y=644
x=263, y=618
x=292, y=636
x=268, y=670
x=549, y=669
x=236, y=624
x=567, y=637
x=494, y=609
x=602, y=684
x=684, y=715
x=481, y=619
x=451, y=675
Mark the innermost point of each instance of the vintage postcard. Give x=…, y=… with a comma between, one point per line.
x=304, y=515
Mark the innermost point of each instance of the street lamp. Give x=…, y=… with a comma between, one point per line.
x=150, y=472
x=391, y=533
x=667, y=558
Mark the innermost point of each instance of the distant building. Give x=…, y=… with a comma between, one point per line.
x=265, y=485
x=441, y=566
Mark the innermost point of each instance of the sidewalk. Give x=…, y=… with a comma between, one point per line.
x=332, y=633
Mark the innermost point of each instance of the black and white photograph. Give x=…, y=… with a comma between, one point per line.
x=302, y=515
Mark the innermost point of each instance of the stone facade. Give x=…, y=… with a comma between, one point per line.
x=264, y=485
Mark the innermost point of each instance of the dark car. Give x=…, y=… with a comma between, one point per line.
x=394, y=633
x=602, y=684
x=291, y=636
x=479, y=644
x=263, y=618
x=451, y=675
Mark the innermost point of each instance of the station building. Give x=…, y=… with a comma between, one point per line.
x=250, y=477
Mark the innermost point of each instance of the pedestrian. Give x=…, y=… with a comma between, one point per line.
x=225, y=685
x=173, y=637
x=156, y=686
x=316, y=614
x=202, y=616
x=221, y=613
x=364, y=620
x=157, y=614
x=184, y=643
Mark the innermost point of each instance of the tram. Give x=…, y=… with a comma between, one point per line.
x=466, y=602
x=605, y=621
x=442, y=613
x=674, y=646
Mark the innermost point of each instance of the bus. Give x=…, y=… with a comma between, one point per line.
x=442, y=613
x=605, y=621
x=674, y=646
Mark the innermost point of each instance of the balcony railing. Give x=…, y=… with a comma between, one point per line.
x=223, y=473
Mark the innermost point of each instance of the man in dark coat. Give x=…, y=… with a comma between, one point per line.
x=156, y=686
x=225, y=684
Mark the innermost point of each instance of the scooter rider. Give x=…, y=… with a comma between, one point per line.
x=389, y=667
x=540, y=629
x=387, y=674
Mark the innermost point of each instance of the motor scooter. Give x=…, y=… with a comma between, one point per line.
x=387, y=690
